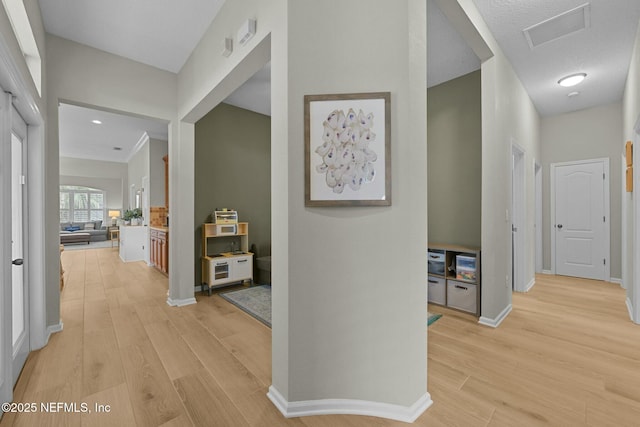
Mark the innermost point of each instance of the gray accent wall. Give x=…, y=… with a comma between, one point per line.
x=586, y=134
x=454, y=114
x=233, y=170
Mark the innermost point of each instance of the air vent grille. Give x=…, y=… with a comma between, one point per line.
x=559, y=26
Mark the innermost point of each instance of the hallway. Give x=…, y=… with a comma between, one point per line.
x=567, y=355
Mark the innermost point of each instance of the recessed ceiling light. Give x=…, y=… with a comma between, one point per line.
x=572, y=80
x=117, y=148
x=572, y=94
x=96, y=122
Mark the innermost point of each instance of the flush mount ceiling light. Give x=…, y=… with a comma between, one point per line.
x=572, y=80
x=96, y=122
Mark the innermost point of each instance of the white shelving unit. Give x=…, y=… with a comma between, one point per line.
x=454, y=277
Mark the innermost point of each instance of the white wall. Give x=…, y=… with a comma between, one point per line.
x=348, y=308
x=354, y=254
x=508, y=116
x=587, y=134
x=157, y=150
x=108, y=176
x=138, y=167
x=631, y=248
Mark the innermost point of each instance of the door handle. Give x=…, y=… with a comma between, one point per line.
x=17, y=261
x=559, y=226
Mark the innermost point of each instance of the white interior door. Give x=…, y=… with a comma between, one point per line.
x=580, y=225
x=19, y=288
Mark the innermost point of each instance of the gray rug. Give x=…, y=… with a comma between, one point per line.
x=255, y=300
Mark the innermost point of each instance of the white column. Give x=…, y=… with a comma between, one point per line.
x=181, y=222
x=356, y=276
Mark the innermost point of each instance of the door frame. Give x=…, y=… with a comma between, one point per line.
x=15, y=91
x=537, y=171
x=634, y=310
x=607, y=211
x=518, y=217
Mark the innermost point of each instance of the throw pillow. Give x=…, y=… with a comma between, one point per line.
x=97, y=224
x=89, y=226
x=65, y=225
x=72, y=228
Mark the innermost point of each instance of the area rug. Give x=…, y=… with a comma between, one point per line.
x=432, y=318
x=255, y=301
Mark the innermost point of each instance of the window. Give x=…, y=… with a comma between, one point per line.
x=81, y=204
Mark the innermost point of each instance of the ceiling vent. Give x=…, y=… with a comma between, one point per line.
x=566, y=23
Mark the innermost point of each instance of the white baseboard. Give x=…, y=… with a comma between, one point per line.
x=630, y=309
x=530, y=285
x=494, y=323
x=180, y=302
x=349, y=407
x=615, y=280
x=547, y=272
x=53, y=329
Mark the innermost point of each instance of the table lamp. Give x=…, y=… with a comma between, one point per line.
x=114, y=214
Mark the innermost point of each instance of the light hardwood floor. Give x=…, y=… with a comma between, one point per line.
x=567, y=355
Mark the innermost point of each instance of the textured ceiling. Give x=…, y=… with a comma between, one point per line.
x=163, y=34
x=603, y=50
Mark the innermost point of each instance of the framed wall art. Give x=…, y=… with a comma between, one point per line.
x=348, y=149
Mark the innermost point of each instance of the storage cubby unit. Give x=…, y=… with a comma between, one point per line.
x=224, y=268
x=454, y=279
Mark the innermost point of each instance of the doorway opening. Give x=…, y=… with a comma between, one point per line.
x=233, y=171
x=22, y=300
x=122, y=155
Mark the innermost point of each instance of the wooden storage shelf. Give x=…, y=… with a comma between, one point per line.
x=450, y=289
x=224, y=268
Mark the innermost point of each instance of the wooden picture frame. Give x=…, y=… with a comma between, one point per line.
x=347, y=149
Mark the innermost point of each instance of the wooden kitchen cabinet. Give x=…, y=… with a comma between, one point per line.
x=159, y=245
